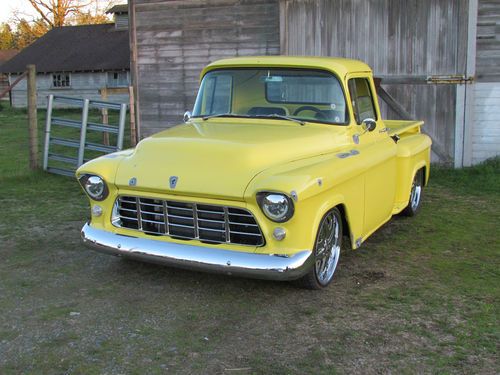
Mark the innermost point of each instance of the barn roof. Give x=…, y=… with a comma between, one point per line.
x=75, y=49
x=118, y=9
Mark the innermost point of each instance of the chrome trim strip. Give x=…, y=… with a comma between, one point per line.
x=226, y=225
x=195, y=222
x=138, y=207
x=200, y=258
x=165, y=217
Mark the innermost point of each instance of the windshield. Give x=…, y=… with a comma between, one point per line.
x=301, y=94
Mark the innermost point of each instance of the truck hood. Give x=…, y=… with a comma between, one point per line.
x=218, y=158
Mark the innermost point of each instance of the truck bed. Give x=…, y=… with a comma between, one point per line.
x=403, y=126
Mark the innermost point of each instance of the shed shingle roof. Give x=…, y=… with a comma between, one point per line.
x=75, y=49
x=120, y=9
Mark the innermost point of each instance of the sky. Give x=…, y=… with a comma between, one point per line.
x=7, y=8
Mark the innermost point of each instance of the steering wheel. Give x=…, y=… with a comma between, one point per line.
x=310, y=108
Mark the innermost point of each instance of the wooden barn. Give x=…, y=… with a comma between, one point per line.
x=76, y=61
x=438, y=60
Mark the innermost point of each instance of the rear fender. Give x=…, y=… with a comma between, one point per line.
x=413, y=155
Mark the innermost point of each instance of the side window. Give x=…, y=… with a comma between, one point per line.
x=218, y=94
x=362, y=99
x=117, y=79
x=61, y=80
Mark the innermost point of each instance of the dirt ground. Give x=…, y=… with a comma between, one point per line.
x=66, y=309
x=420, y=296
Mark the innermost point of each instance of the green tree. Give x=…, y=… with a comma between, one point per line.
x=57, y=13
x=7, y=37
x=89, y=18
x=27, y=32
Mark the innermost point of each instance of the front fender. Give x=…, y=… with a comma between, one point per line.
x=105, y=167
x=319, y=184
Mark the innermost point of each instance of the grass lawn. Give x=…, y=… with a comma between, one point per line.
x=420, y=296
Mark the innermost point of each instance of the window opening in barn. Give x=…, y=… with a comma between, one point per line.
x=61, y=80
x=118, y=79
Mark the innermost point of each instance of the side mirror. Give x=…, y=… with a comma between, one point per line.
x=369, y=124
x=187, y=116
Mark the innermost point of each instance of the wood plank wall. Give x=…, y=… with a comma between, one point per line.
x=176, y=39
x=395, y=37
x=488, y=41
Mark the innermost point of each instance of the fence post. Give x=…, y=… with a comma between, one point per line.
x=32, y=117
x=133, y=131
x=105, y=116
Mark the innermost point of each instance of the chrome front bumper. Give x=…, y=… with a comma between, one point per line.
x=200, y=258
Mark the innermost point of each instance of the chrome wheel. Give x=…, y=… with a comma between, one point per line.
x=415, y=194
x=327, y=249
x=416, y=190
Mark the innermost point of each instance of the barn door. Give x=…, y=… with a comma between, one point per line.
x=422, y=49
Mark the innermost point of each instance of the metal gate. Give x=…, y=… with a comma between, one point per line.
x=81, y=144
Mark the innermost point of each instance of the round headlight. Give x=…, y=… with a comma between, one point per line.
x=277, y=207
x=94, y=186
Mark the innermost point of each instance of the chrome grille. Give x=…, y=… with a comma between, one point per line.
x=188, y=221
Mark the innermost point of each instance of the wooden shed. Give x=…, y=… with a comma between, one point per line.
x=439, y=60
x=75, y=61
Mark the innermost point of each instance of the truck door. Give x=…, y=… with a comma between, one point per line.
x=377, y=150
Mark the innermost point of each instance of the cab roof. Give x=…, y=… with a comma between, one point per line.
x=338, y=65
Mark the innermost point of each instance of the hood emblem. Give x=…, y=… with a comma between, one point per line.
x=173, y=181
x=132, y=181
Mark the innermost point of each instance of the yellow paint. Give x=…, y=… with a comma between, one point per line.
x=227, y=161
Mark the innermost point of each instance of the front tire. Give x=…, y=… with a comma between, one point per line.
x=415, y=194
x=326, y=252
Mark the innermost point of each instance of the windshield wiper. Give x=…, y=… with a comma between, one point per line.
x=281, y=117
x=224, y=115
x=275, y=116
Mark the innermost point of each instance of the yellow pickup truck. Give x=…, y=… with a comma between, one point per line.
x=283, y=162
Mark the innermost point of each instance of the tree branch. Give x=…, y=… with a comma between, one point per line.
x=40, y=12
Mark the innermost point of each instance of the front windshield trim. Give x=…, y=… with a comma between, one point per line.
x=272, y=116
x=232, y=115
x=347, y=121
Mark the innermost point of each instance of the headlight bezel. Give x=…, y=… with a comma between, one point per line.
x=263, y=202
x=85, y=178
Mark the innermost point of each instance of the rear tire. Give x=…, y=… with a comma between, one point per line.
x=326, y=252
x=417, y=187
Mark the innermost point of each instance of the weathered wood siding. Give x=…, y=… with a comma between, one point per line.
x=83, y=85
x=176, y=39
x=121, y=21
x=395, y=37
x=488, y=41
